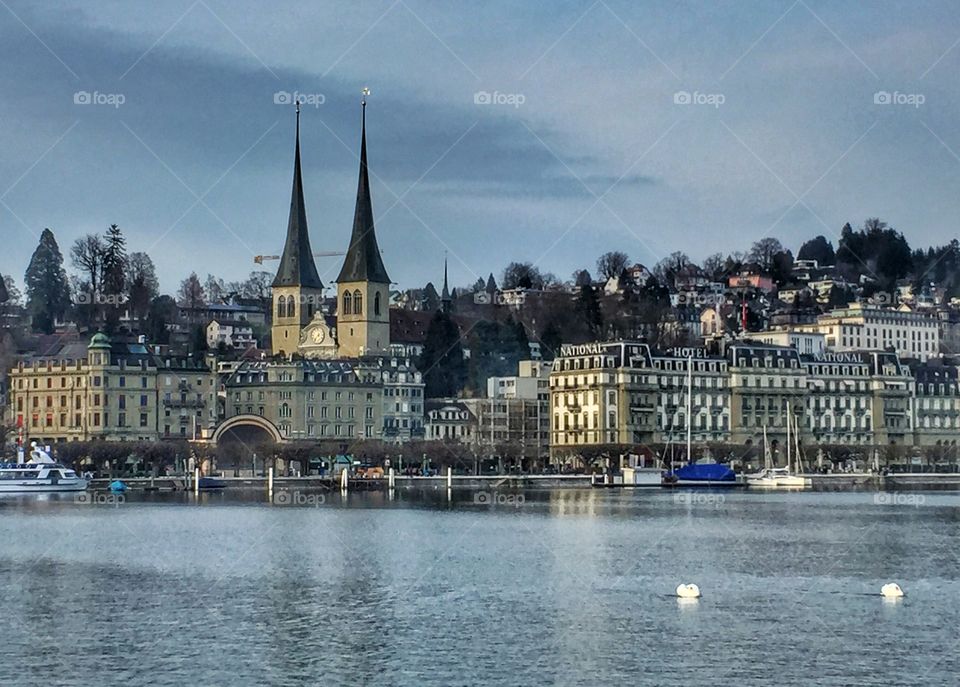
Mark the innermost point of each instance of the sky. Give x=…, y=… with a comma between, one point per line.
x=497, y=132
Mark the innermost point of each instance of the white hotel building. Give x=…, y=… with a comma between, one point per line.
x=864, y=327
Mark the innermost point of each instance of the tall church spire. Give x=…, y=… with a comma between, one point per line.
x=363, y=261
x=445, y=294
x=297, y=267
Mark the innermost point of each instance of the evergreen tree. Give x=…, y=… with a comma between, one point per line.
x=162, y=312
x=523, y=341
x=442, y=364
x=48, y=291
x=114, y=276
x=819, y=249
x=114, y=262
x=550, y=341
x=588, y=310
x=142, y=285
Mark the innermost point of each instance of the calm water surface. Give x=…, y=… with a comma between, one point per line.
x=568, y=587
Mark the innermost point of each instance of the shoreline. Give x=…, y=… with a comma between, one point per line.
x=829, y=482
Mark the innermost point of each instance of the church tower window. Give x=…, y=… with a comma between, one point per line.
x=357, y=302
x=347, y=303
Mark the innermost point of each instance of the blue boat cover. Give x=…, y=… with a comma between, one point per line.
x=713, y=472
x=117, y=485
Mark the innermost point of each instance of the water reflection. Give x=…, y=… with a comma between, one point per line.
x=435, y=587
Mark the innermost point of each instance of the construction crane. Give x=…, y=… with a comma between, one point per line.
x=259, y=259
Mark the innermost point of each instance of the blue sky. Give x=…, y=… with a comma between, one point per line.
x=588, y=143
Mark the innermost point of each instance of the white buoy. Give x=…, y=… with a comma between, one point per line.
x=688, y=591
x=891, y=590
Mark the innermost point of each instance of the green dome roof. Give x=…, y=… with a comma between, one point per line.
x=99, y=340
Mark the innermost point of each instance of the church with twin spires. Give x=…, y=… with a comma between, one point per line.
x=361, y=327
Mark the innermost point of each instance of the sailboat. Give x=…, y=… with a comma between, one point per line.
x=789, y=477
x=694, y=474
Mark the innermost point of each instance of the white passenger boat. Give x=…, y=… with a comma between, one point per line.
x=39, y=474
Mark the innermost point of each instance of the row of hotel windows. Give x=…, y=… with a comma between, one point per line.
x=97, y=381
x=585, y=438
x=309, y=377
x=95, y=401
x=288, y=395
x=48, y=420
x=286, y=411
x=325, y=430
x=78, y=401
x=572, y=421
x=704, y=421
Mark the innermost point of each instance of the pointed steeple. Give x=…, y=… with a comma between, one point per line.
x=445, y=294
x=363, y=261
x=297, y=267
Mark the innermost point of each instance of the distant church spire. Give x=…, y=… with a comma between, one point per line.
x=363, y=261
x=297, y=267
x=445, y=294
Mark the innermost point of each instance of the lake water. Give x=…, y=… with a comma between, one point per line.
x=568, y=587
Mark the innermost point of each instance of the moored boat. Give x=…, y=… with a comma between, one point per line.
x=701, y=475
x=788, y=477
x=210, y=483
x=38, y=475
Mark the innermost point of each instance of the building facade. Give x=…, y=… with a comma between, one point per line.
x=112, y=391
x=451, y=420
x=602, y=393
x=860, y=326
x=624, y=394
x=309, y=399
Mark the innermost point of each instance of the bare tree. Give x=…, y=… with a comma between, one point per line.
x=87, y=255
x=612, y=264
x=667, y=269
x=522, y=275
x=763, y=251
x=715, y=266
x=214, y=288
x=257, y=285
x=191, y=293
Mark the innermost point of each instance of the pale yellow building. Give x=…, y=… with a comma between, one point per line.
x=114, y=391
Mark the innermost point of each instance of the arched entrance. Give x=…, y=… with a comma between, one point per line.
x=243, y=437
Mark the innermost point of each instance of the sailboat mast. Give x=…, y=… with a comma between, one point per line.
x=788, y=436
x=689, y=408
x=766, y=449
